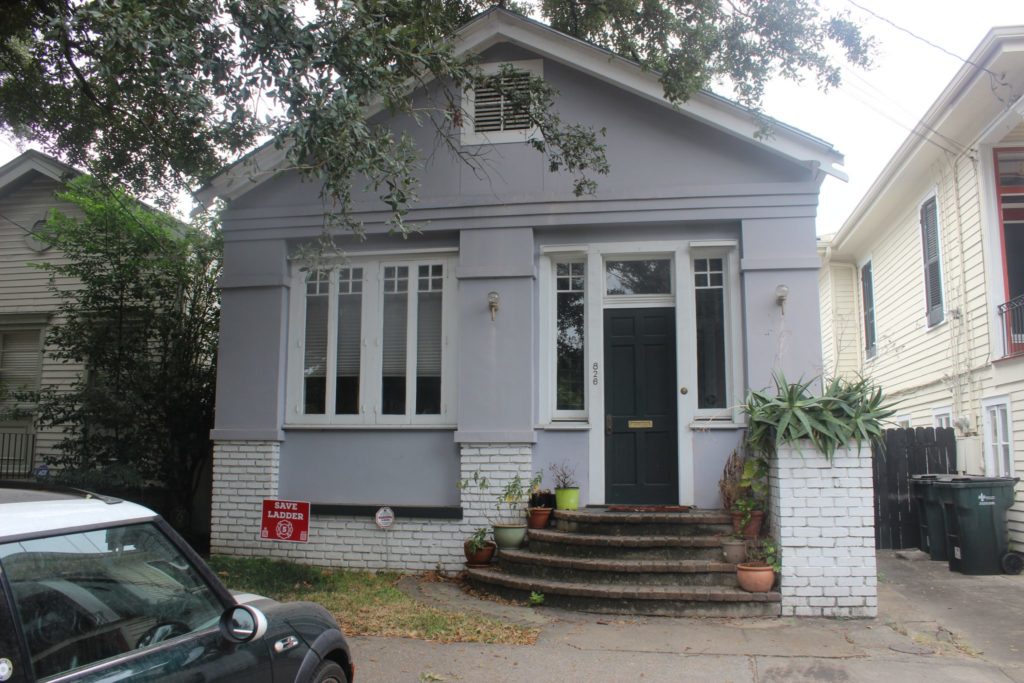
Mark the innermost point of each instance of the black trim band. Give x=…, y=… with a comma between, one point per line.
x=414, y=512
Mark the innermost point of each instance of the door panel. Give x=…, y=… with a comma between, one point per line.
x=641, y=454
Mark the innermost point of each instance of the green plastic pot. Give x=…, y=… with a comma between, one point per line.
x=567, y=499
x=509, y=536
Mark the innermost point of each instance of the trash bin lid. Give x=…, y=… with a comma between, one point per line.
x=976, y=480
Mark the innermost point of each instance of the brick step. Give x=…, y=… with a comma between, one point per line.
x=603, y=521
x=637, y=547
x=618, y=572
x=678, y=601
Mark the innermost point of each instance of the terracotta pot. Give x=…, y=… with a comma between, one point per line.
x=755, y=577
x=538, y=518
x=734, y=550
x=753, y=528
x=481, y=557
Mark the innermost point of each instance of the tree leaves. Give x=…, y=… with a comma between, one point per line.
x=158, y=96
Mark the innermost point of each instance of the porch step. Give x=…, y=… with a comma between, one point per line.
x=691, y=601
x=633, y=547
x=617, y=571
x=607, y=522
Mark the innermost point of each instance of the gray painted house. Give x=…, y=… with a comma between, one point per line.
x=384, y=378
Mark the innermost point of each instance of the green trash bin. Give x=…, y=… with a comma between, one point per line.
x=974, y=511
x=931, y=522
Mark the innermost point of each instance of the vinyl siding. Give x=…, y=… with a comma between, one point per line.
x=24, y=288
x=842, y=321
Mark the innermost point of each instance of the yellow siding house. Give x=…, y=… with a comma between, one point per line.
x=922, y=288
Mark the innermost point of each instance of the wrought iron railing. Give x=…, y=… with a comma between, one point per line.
x=16, y=451
x=1011, y=318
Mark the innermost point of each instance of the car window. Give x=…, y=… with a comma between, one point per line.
x=85, y=597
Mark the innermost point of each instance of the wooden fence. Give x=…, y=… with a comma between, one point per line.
x=907, y=452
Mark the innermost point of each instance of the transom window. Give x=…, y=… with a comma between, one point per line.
x=373, y=345
x=638, y=276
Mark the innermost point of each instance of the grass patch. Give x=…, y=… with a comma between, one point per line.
x=364, y=603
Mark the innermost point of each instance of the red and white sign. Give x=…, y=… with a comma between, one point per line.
x=385, y=518
x=285, y=520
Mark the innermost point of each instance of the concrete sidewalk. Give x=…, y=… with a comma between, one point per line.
x=934, y=626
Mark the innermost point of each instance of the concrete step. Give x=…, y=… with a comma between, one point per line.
x=633, y=547
x=695, y=601
x=603, y=521
x=616, y=571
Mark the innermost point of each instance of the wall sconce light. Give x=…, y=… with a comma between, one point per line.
x=781, y=294
x=493, y=303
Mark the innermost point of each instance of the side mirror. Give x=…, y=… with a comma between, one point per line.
x=242, y=623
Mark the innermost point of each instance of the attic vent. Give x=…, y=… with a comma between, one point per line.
x=494, y=109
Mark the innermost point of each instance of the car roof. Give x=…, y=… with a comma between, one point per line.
x=39, y=511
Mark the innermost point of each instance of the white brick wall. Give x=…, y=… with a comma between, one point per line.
x=822, y=517
x=246, y=472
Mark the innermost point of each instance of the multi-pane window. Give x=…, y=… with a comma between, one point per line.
x=942, y=418
x=19, y=360
x=932, y=261
x=377, y=330
x=868, y=289
x=998, y=447
x=709, y=294
x=569, y=358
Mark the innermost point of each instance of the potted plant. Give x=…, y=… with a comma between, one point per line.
x=744, y=489
x=540, y=506
x=567, y=490
x=509, y=520
x=479, y=549
x=757, y=574
x=734, y=548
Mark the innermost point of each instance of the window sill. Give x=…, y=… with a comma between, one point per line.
x=567, y=426
x=369, y=427
x=699, y=425
x=401, y=511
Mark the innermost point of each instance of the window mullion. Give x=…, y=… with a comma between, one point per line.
x=411, y=340
x=372, y=363
x=332, y=345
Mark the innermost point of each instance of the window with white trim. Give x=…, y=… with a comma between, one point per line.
x=490, y=115
x=372, y=336
x=998, y=437
x=570, y=383
x=942, y=418
x=712, y=350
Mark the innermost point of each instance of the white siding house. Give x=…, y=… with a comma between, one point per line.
x=28, y=186
x=923, y=286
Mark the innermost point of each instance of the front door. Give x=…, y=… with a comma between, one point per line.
x=641, y=452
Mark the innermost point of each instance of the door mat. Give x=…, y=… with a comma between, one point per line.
x=649, y=508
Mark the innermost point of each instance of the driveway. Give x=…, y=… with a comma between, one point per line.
x=934, y=626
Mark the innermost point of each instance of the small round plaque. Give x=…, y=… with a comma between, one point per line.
x=385, y=518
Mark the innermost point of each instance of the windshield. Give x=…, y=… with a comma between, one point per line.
x=85, y=597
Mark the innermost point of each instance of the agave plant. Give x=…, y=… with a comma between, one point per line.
x=847, y=410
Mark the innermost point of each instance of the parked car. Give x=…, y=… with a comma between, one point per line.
x=94, y=588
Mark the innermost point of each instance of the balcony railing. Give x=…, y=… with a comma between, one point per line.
x=1011, y=318
x=16, y=450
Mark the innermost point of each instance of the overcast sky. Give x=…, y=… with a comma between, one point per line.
x=869, y=116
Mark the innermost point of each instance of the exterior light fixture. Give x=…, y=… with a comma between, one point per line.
x=781, y=294
x=493, y=303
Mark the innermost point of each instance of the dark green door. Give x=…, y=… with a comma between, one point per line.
x=641, y=459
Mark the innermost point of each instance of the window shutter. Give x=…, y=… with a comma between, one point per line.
x=932, y=263
x=493, y=111
x=20, y=360
x=868, y=285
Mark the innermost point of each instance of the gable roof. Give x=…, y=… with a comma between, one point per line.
x=32, y=161
x=971, y=110
x=497, y=25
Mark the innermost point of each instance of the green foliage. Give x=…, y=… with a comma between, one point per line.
x=144, y=323
x=765, y=550
x=536, y=599
x=478, y=540
x=156, y=96
x=510, y=499
x=847, y=410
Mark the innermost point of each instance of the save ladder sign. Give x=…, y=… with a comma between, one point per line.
x=285, y=520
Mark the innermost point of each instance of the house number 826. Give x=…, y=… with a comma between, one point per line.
x=594, y=368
